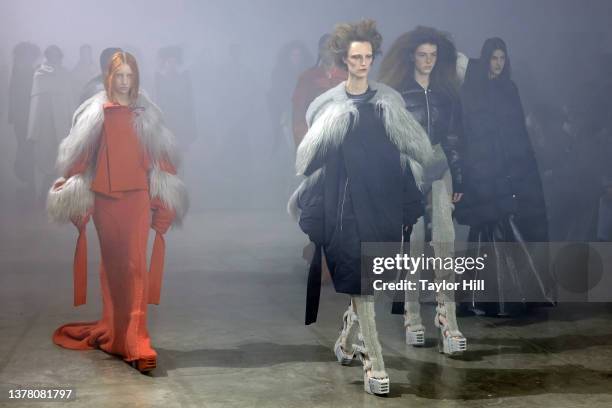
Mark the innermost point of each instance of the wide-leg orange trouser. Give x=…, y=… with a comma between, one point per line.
x=123, y=228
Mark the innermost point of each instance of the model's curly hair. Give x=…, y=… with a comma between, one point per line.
x=346, y=33
x=398, y=65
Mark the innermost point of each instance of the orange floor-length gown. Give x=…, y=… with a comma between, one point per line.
x=122, y=218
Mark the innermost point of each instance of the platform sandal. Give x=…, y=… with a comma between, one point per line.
x=374, y=382
x=415, y=332
x=451, y=340
x=350, y=330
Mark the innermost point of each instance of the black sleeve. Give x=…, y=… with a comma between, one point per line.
x=312, y=206
x=452, y=144
x=529, y=156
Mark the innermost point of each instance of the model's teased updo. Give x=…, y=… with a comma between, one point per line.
x=346, y=33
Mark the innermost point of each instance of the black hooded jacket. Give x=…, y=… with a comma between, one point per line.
x=501, y=173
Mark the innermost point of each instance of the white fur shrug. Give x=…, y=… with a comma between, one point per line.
x=329, y=117
x=74, y=198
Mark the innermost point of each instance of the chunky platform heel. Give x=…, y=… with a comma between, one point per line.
x=342, y=357
x=375, y=384
x=350, y=328
x=451, y=341
x=451, y=345
x=145, y=365
x=414, y=337
x=413, y=325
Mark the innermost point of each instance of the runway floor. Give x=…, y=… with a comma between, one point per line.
x=230, y=332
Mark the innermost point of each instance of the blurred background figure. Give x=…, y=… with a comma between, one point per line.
x=174, y=95
x=312, y=83
x=293, y=58
x=203, y=69
x=230, y=100
x=589, y=125
x=84, y=70
x=51, y=106
x=603, y=107
x=25, y=57
x=96, y=84
x=552, y=148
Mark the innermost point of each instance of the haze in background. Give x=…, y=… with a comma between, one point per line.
x=230, y=50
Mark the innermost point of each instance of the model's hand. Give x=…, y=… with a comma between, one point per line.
x=59, y=183
x=162, y=217
x=457, y=197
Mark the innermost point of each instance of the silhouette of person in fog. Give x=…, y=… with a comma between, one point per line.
x=51, y=107
x=174, y=95
x=96, y=84
x=293, y=59
x=25, y=57
x=312, y=83
x=84, y=70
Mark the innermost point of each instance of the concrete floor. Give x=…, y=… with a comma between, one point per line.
x=230, y=332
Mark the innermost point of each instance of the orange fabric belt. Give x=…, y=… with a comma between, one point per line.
x=80, y=268
x=156, y=269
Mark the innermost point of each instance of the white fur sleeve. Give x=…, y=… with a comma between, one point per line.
x=72, y=199
x=86, y=128
x=171, y=191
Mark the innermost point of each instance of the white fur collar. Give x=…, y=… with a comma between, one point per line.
x=76, y=197
x=329, y=115
x=87, y=125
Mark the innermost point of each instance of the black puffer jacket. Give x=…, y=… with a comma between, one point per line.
x=440, y=115
x=363, y=196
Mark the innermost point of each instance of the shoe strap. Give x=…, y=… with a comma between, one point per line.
x=447, y=311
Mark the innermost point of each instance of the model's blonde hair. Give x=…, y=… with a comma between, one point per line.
x=119, y=58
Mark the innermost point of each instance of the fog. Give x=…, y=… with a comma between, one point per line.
x=237, y=160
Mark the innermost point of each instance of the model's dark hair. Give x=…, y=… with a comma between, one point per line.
x=324, y=41
x=25, y=53
x=346, y=33
x=323, y=45
x=105, y=57
x=53, y=54
x=398, y=65
x=488, y=48
x=283, y=56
